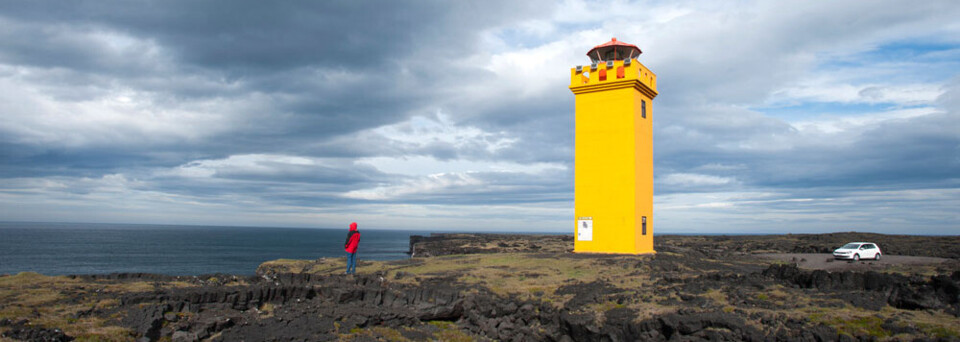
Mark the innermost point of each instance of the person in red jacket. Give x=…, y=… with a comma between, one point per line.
x=350, y=245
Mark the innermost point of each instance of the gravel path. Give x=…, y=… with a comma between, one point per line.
x=826, y=261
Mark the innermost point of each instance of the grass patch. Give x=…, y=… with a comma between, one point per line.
x=284, y=266
x=442, y=324
x=104, y=334
x=527, y=276
x=374, y=334
x=607, y=306
x=940, y=331
x=266, y=310
x=857, y=326
x=849, y=321
x=716, y=296
x=52, y=301
x=450, y=332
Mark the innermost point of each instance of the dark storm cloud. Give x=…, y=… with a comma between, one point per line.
x=244, y=37
x=32, y=161
x=317, y=70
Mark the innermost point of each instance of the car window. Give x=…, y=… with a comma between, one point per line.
x=851, y=246
x=871, y=246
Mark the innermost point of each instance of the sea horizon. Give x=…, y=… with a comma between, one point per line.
x=445, y=231
x=76, y=248
x=61, y=248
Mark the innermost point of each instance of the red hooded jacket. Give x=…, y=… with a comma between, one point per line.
x=353, y=239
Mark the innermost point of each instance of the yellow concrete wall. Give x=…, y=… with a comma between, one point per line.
x=644, y=173
x=614, y=158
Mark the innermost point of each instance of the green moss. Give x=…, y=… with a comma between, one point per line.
x=857, y=326
x=389, y=334
x=607, y=306
x=939, y=331
x=441, y=324
x=450, y=332
x=575, y=273
x=105, y=334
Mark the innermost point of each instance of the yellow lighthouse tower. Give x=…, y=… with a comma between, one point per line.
x=614, y=151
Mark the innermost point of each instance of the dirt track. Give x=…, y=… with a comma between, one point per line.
x=825, y=261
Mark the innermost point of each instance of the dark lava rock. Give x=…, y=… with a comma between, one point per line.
x=146, y=320
x=305, y=307
x=24, y=331
x=932, y=246
x=939, y=292
x=185, y=336
x=708, y=325
x=587, y=293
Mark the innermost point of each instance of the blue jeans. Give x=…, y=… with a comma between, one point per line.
x=352, y=263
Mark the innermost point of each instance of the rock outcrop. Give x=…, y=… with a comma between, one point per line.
x=308, y=307
x=911, y=293
x=447, y=244
x=25, y=331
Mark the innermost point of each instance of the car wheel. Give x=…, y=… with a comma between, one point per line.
x=856, y=257
x=877, y=258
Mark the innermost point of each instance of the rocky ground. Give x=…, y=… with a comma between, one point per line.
x=520, y=288
x=825, y=261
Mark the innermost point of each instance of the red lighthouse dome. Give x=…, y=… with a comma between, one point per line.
x=613, y=50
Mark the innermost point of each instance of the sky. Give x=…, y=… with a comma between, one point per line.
x=772, y=116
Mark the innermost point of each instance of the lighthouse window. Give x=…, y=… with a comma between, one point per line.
x=643, y=109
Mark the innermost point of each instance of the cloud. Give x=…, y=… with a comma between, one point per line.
x=113, y=117
x=427, y=184
x=771, y=117
x=834, y=91
x=422, y=165
x=891, y=212
x=423, y=134
x=693, y=179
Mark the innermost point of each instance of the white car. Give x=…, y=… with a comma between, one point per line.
x=858, y=250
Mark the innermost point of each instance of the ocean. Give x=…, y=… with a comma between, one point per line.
x=85, y=248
